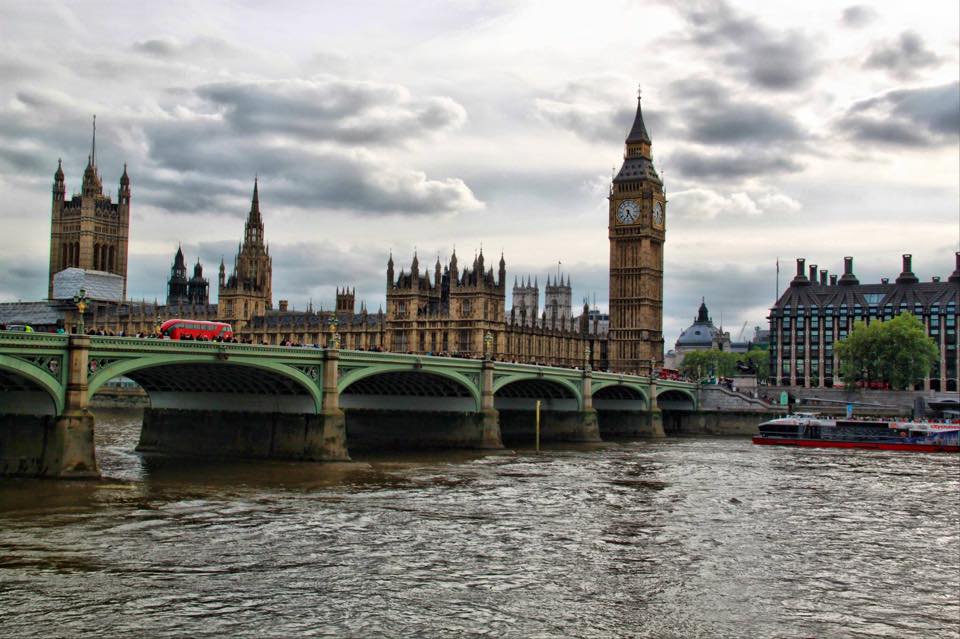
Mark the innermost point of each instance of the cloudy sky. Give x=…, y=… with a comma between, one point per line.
x=783, y=130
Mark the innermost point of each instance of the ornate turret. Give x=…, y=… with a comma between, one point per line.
x=254, y=227
x=91, y=181
x=59, y=186
x=638, y=161
x=703, y=316
x=502, y=274
x=177, y=285
x=124, y=191
x=390, y=280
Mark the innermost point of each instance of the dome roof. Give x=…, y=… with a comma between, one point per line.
x=702, y=332
x=698, y=335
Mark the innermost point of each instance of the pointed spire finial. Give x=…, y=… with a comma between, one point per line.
x=638, y=132
x=93, y=146
x=639, y=91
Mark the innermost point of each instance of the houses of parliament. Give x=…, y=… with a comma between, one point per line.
x=449, y=308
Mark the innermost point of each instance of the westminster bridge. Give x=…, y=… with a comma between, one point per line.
x=225, y=399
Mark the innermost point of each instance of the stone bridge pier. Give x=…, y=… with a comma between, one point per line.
x=38, y=438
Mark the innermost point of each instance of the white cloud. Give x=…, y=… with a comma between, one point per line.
x=704, y=203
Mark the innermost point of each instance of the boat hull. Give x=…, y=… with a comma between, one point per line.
x=826, y=443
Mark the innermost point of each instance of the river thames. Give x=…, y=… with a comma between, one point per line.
x=683, y=537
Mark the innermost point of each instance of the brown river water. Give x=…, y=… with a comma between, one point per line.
x=682, y=537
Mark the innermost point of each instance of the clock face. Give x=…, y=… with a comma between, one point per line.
x=628, y=212
x=658, y=214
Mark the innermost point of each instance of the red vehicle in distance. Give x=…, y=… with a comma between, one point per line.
x=195, y=330
x=670, y=373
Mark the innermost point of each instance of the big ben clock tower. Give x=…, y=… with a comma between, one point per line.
x=636, y=226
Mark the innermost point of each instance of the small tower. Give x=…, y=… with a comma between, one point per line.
x=346, y=300
x=198, y=288
x=390, y=281
x=177, y=284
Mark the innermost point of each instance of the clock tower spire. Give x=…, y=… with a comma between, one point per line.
x=636, y=230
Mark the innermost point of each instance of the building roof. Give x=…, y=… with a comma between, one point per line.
x=31, y=313
x=907, y=292
x=638, y=132
x=98, y=285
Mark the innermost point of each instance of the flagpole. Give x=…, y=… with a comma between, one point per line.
x=776, y=292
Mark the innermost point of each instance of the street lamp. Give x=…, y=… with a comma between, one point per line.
x=586, y=356
x=488, y=346
x=80, y=299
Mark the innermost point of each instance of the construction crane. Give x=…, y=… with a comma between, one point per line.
x=740, y=336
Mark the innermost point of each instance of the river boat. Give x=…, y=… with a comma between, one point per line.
x=811, y=430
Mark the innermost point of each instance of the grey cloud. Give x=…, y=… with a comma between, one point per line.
x=735, y=165
x=711, y=117
x=731, y=292
x=858, y=15
x=902, y=58
x=772, y=60
x=332, y=110
x=589, y=108
x=926, y=117
x=356, y=180
x=172, y=48
x=24, y=279
x=602, y=125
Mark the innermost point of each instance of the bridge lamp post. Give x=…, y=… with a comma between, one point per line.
x=586, y=355
x=80, y=299
x=488, y=346
x=334, y=341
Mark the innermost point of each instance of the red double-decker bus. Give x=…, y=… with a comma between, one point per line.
x=195, y=329
x=670, y=373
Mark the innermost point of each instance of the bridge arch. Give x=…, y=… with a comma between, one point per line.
x=407, y=387
x=676, y=399
x=27, y=387
x=620, y=396
x=201, y=381
x=521, y=390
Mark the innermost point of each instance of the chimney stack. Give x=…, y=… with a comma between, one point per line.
x=800, y=279
x=848, y=278
x=955, y=276
x=813, y=273
x=884, y=280
x=907, y=276
x=833, y=280
x=823, y=277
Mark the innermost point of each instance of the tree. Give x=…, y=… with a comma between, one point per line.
x=898, y=352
